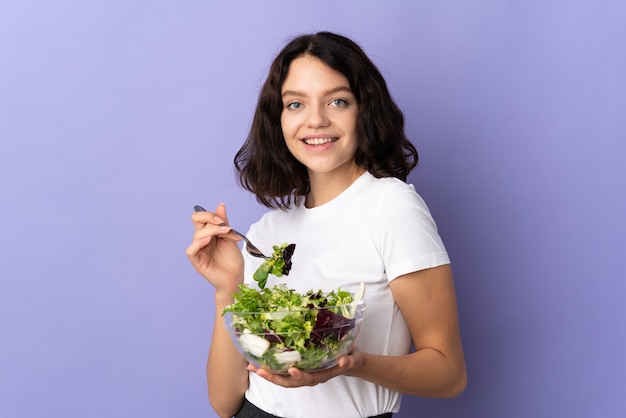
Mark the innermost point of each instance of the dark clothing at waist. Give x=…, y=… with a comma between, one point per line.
x=249, y=410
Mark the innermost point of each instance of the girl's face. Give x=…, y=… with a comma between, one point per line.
x=319, y=117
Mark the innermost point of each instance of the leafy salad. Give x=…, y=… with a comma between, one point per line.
x=278, y=328
x=278, y=264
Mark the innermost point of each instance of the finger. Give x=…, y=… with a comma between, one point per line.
x=281, y=380
x=346, y=362
x=295, y=373
x=201, y=219
x=220, y=212
x=209, y=223
x=209, y=230
x=197, y=245
x=300, y=378
x=222, y=218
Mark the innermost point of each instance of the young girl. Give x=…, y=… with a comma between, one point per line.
x=328, y=154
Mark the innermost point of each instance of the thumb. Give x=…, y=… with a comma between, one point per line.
x=221, y=212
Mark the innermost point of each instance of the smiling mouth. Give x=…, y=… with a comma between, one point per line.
x=319, y=141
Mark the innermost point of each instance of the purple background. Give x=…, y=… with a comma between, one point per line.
x=116, y=117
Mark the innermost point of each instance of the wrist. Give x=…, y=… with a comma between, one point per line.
x=223, y=299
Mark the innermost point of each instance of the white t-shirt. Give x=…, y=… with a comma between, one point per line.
x=373, y=232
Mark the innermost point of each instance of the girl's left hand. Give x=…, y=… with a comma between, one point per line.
x=298, y=378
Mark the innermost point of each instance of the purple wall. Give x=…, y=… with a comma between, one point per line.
x=117, y=117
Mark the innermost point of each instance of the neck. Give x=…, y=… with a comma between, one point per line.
x=326, y=186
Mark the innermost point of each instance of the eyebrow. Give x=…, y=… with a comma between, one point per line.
x=326, y=93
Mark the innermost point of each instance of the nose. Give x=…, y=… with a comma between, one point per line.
x=317, y=117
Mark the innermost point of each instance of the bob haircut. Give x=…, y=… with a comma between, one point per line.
x=265, y=166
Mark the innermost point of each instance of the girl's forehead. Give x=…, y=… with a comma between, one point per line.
x=311, y=73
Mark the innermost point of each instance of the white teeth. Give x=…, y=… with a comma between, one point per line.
x=317, y=141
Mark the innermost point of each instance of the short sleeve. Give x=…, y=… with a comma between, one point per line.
x=406, y=233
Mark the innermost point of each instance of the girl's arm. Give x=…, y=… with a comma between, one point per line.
x=214, y=253
x=227, y=376
x=436, y=369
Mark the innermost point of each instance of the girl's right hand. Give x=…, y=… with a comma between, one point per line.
x=214, y=252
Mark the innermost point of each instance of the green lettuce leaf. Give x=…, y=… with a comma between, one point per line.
x=278, y=264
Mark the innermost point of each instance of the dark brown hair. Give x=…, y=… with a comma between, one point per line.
x=264, y=164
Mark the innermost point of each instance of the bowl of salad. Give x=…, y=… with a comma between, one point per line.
x=277, y=328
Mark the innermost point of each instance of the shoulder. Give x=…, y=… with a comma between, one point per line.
x=387, y=184
x=391, y=192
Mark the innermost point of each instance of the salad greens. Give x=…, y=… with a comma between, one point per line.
x=279, y=328
x=278, y=264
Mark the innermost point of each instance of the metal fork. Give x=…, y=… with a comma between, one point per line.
x=251, y=248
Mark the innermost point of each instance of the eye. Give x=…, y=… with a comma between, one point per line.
x=294, y=105
x=339, y=102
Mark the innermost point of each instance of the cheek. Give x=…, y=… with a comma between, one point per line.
x=292, y=148
x=287, y=127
